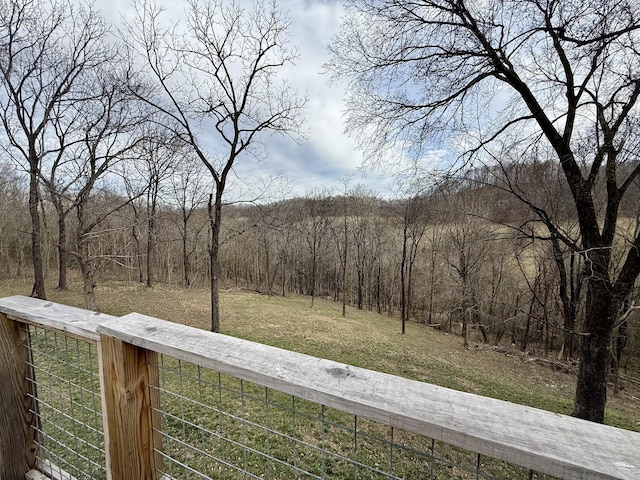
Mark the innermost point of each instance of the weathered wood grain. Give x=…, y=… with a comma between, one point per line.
x=540, y=440
x=35, y=475
x=72, y=321
x=49, y=471
x=17, y=445
x=543, y=441
x=128, y=403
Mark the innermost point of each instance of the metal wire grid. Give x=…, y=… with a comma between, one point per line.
x=214, y=426
x=65, y=392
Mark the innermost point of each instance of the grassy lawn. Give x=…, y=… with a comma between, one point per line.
x=362, y=338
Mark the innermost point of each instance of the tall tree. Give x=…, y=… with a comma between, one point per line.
x=187, y=186
x=533, y=74
x=113, y=129
x=216, y=78
x=160, y=158
x=313, y=227
x=467, y=237
x=364, y=234
x=58, y=179
x=46, y=46
x=341, y=238
x=559, y=226
x=411, y=211
x=13, y=220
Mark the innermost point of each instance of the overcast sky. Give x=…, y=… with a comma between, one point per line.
x=329, y=154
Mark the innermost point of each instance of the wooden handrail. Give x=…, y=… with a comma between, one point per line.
x=72, y=321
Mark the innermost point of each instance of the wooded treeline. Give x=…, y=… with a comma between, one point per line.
x=462, y=256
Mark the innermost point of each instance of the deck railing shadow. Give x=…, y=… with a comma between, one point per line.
x=92, y=396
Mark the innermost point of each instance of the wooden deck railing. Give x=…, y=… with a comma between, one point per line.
x=128, y=349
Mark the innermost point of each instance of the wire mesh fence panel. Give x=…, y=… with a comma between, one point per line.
x=65, y=386
x=215, y=426
x=305, y=418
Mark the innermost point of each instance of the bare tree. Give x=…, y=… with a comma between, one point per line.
x=113, y=129
x=364, y=236
x=534, y=74
x=467, y=236
x=539, y=184
x=216, y=79
x=160, y=157
x=58, y=177
x=341, y=238
x=45, y=48
x=313, y=227
x=412, y=213
x=189, y=193
x=435, y=241
x=13, y=220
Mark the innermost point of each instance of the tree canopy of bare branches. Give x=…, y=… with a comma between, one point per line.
x=500, y=82
x=214, y=79
x=46, y=48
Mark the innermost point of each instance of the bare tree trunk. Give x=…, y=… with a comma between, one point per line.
x=409, y=299
x=84, y=256
x=284, y=276
x=568, y=287
x=215, y=214
x=151, y=245
x=378, y=302
x=312, y=281
x=215, y=294
x=88, y=274
x=432, y=283
x=525, y=338
x=136, y=239
x=62, y=253
x=591, y=389
x=485, y=334
x=360, y=288
x=403, y=263
x=88, y=286
x=344, y=264
x=595, y=348
x=185, y=255
x=466, y=312
x=62, y=240
x=36, y=237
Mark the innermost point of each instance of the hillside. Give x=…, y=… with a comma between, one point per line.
x=362, y=338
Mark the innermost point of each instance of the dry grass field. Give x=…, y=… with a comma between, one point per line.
x=362, y=338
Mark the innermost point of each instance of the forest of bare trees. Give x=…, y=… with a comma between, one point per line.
x=467, y=269
x=107, y=172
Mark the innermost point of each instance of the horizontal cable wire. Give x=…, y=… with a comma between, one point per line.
x=214, y=422
x=65, y=397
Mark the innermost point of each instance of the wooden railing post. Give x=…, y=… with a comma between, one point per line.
x=129, y=404
x=17, y=438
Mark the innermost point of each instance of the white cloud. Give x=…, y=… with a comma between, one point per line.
x=329, y=154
